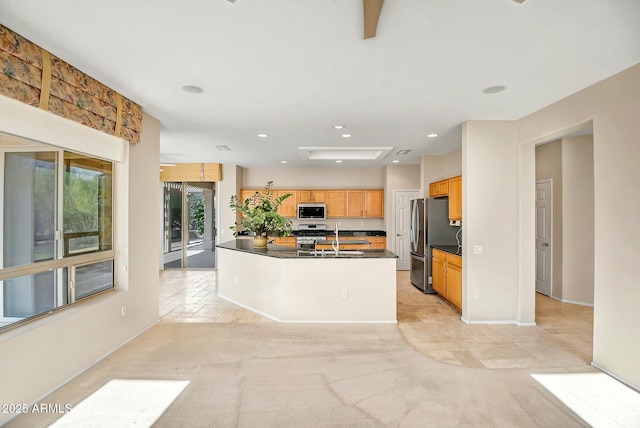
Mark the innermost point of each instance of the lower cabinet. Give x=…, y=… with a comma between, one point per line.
x=375, y=243
x=287, y=241
x=447, y=276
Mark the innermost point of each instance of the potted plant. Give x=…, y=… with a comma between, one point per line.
x=259, y=214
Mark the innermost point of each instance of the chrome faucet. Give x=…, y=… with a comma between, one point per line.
x=335, y=245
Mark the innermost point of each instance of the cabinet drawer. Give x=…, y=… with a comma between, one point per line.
x=454, y=260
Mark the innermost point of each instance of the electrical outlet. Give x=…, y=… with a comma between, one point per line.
x=362, y=223
x=344, y=293
x=476, y=294
x=123, y=310
x=478, y=249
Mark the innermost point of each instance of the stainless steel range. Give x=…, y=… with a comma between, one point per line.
x=308, y=234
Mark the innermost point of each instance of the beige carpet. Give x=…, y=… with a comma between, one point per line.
x=272, y=375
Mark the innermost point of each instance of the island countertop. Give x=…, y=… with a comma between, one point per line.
x=284, y=252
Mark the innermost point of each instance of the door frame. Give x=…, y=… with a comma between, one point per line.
x=394, y=192
x=550, y=181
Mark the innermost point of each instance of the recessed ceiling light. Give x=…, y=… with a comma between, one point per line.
x=262, y=135
x=338, y=161
x=432, y=135
x=346, y=135
x=339, y=126
x=395, y=161
x=283, y=161
x=494, y=89
x=193, y=89
x=223, y=148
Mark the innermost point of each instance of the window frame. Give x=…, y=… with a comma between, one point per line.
x=60, y=261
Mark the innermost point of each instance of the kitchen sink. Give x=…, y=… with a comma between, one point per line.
x=350, y=252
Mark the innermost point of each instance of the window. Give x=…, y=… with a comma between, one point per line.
x=57, y=228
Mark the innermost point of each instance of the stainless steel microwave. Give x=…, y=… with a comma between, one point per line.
x=312, y=211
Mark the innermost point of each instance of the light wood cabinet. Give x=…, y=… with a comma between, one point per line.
x=341, y=203
x=374, y=203
x=289, y=205
x=375, y=243
x=438, y=275
x=336, y=203
x=287, y=241
x=439, y=189
x=455, y=198
x=355, y=203
x=454, y=280
x=311, y=196
x=446, y=273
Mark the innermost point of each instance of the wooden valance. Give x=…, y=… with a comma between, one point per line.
x=34, y=76
x=196, y=172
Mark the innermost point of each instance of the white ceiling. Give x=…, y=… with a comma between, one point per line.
x=294, y=68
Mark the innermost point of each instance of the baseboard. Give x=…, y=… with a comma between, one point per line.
x=573, y=302
x=498, y=322
x=616, y=377
x=249, y=308
x=271, y=317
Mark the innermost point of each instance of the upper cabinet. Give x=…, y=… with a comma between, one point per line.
x=439, y=189
x=374, y=203
x=355, y=203
x=336, y=203
x=289, y=205
x=451, y=187
x=310, y=196
x=341, y=203
x=455, y=198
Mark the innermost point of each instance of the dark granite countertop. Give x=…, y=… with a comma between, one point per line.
x=451, y=249
x=330, y=232
x=284, y=252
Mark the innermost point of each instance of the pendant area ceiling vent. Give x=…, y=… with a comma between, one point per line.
x=344, y=153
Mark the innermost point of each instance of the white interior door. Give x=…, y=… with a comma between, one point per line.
x=544, y=211
x=402, y=227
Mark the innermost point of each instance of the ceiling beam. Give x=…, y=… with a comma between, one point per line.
x=372, y=10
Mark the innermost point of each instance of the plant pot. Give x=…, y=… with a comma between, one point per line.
x=259, y=242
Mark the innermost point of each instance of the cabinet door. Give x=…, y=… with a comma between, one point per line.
x=438, y=275
x=433, y=190
x=443, y=188
x=455, y=198
x=374, y=203
x=288, y=241
x=318, y=196
x=303, y=196
x=288, y=207
x=454, y=280
x=355, y=203
x=377, y=242
x=336, y=203
x=246, y=194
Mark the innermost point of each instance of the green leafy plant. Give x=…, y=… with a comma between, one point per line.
x=259, y=213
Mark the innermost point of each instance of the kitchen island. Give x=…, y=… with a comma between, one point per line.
x=286, y=284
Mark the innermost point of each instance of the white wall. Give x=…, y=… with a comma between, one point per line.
x=438, y=167
x=397, y=177
x=549, y=165
x=42, y=355
x=578, y=223
x=613, y=105
x=230, y=185
x=490, y=220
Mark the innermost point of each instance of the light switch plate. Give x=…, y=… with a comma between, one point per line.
x=478, y=249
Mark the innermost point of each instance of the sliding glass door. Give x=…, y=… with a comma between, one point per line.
x=189, y=219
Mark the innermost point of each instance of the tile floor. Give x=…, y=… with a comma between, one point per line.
x=562, y=337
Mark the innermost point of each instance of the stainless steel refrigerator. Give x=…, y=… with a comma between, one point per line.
x=429, y=226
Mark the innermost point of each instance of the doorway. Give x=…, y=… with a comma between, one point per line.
x=189, y=225
x=402, y=226
x=544, y=236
